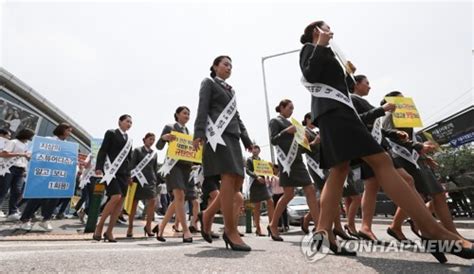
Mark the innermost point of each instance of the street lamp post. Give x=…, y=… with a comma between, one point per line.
x=272, y=154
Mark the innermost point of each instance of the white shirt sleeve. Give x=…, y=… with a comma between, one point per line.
x=9, y=146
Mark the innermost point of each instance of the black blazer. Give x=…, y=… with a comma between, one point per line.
x=213, y=98
x=410, y=144
x=281, y=138
x=319, y=65
x=150, y=171
x=249, y=168
x=111, y=146
x=315, y=152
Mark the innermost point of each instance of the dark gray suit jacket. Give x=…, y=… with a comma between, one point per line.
x=213, y=98
x=167, y=129
x=150, y=171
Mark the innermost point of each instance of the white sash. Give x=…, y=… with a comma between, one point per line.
x=85, y=177
x=214, y=130
x=197, y=176
x=109, y=173
x=377, y=130
x=403, y=152
x=5, y=165
x=287, y=160
x=320, y=90
x=314, y=166
x=137, y=171
x=167, y=166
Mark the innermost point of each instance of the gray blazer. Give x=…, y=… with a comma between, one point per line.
x=167, y=129
x=213, y=98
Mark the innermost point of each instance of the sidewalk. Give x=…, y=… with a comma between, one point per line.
x=73, y=229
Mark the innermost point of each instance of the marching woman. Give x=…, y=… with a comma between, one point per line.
x=176, y=175
x=145, y=170
x=424, y=180
x=293, y=172
x=116, y=151
x=218, y=124
x=332, y=111
x=318, y=175
x=372, y=118
x=258, y=191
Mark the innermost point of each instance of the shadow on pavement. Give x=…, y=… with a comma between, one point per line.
x=398, y=265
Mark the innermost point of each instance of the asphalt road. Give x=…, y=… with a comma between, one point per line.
x=148, y=255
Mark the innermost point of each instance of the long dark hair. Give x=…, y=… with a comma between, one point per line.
x=307, y=36
x=216, y=63
x=178, y=111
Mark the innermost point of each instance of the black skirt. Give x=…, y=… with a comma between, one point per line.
x=259, y=192
x=178, y=177
x=118, y=185
x=318, y=181
x=344, y=138
x=226, y=159
x=425, y=181
x=147, y=192
x=298, y=175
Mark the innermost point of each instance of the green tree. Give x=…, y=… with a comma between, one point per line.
x=451, y=160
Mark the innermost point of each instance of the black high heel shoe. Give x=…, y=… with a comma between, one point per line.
x=392, y=233
x=304, y=229
x=465, y=253
x=156, y=229
x=275, y=238
x=235, y=247
x=96, y=237
x=193, y=229
x=204, y=235
x=147, y=233
x=433, y=244
x=342, y=235
x=337, y=250
x=175, y=229
x=107, y=239
x=129, y=235
x=187, y=240
x=412, y=227
x=353, y=234
x=366, y=237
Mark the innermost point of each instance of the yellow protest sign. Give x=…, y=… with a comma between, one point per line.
x=130, y=197
x=182, y=148
x=74, y=200
x=300, y=134
x=406, y=114
x=262, y=168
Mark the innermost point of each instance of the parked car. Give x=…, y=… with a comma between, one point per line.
x=297, y=208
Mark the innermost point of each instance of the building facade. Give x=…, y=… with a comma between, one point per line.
x=23, y=107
